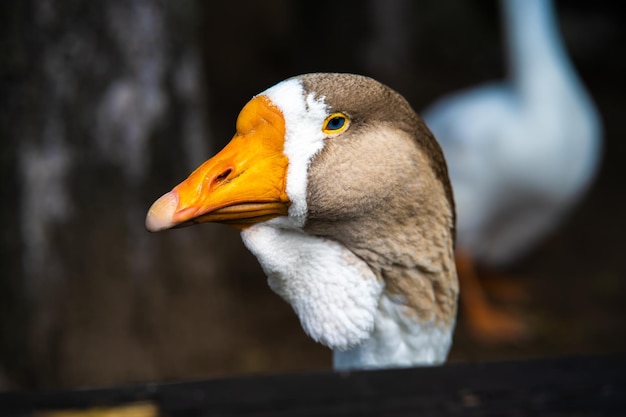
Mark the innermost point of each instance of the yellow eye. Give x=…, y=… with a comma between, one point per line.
x=335, y=123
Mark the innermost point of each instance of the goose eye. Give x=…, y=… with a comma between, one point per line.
x=335, y=123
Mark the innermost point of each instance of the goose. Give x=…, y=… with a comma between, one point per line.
x=521, y=154
x=342, y=194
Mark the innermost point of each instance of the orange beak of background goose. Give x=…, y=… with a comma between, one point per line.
x=245, y=183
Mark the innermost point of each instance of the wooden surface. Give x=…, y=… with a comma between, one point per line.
x=582, y=386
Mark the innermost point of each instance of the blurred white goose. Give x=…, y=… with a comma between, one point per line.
x=343, y=196
x=521, y=153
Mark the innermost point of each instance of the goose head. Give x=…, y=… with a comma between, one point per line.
x=342, y=193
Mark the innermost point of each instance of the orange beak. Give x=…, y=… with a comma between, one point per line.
x=243, y=184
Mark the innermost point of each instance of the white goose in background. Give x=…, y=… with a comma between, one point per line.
x=521, y=153
x=342, y=194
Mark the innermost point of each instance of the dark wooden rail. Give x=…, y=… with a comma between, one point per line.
x=582, y=386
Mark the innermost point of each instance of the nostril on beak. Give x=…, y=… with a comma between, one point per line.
x=221, y=177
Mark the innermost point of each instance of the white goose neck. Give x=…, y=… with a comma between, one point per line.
x=397, y=341
x=537, y=56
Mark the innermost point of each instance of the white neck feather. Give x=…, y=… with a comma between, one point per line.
x=397, y=340
x=341, y=303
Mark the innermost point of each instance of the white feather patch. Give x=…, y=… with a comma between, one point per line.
x=398, y=340
x=333, y=292
x=304, y=118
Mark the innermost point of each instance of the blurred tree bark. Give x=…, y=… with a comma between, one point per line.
x=98, y=93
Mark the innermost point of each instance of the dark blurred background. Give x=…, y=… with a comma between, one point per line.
x=105, y=105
